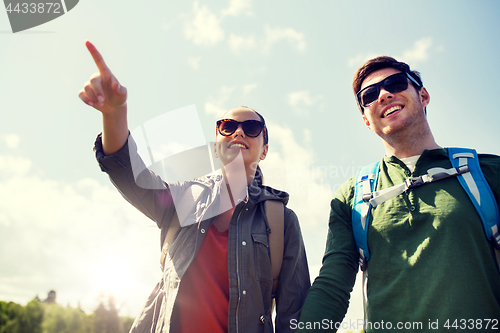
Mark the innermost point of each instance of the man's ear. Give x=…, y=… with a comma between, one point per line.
x=367, y=122
x=265, y=149
x=425, y=98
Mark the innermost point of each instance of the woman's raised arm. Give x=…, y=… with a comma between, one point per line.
x=104, y=93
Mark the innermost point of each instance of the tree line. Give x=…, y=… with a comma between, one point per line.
x=42, y=317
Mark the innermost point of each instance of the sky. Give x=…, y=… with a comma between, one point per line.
x=62, y=224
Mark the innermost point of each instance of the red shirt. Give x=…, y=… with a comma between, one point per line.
x=203, y=299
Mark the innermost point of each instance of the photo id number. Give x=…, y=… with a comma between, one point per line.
x=24, y=8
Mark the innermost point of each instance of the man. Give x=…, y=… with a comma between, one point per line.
x=431, y=265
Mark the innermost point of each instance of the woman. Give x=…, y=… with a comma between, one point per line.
x=217, y=272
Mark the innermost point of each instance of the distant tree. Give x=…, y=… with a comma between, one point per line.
x=12, y=318
x=34, y=316
x=106, y=318
x=4, y=315
x=127, y=324
x=100, y=317
x=77, y=321
x=65, y=320
x=41, y=317
x=53, y=320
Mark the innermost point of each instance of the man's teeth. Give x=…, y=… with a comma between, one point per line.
x=391, y=110
x=239, y=145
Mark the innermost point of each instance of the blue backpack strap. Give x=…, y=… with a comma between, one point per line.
x=365, y=184
x=479, y=191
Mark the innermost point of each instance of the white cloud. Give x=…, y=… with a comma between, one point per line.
x=214, y=109
x=165, y=150
x=290, y=166
x=248, y=88
x=194, y=62
x=202, y=27
x=237, y=7
x=360, y=59
x=11, y=140
x=58, y=235
x=15, y=166
x=307, y=136
x=302, y=101
x=239, y=44
x=273, y=35
x=216, y=104
x=419, y=52
x=294, y=98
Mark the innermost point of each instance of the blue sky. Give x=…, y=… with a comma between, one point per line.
x=63, y=226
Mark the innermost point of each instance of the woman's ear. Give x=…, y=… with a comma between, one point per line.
x=215, y=150
x=265, y=149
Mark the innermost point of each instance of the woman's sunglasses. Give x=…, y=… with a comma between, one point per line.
x=394, y=83
x=251, y=128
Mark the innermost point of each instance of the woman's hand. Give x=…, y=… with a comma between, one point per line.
x=103, y=91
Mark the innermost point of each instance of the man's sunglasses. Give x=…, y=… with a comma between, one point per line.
x=251, y=128
x=394, y=83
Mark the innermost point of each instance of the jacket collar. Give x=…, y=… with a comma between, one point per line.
x=255, y=192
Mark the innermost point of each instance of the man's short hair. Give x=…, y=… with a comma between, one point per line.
x=378, y=63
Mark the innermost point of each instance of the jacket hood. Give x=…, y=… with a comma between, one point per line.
x=258, y=193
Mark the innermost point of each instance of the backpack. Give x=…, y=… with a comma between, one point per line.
x=275, y=214
x=466, y=167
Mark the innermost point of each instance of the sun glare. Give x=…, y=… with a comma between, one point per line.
x=113, y=275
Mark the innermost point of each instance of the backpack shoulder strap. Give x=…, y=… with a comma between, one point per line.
x=478, y=190
x=364, y=184
x=172, y=230
x=275, y=213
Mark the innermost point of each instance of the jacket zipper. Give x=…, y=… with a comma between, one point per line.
x=238, y=266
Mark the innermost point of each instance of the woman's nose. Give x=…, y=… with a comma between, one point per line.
x=239, y=131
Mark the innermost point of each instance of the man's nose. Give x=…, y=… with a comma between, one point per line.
x=384, y=94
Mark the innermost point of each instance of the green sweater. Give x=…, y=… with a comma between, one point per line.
x=429, y=257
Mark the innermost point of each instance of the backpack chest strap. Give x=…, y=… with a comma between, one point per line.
x=434, y=174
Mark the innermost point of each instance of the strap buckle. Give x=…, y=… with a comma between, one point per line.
x=462, y=169
x=496, y=241
x=414, y=182
x=363, y=263
x=367, y=197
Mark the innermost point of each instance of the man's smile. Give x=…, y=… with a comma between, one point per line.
x=392, y=110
